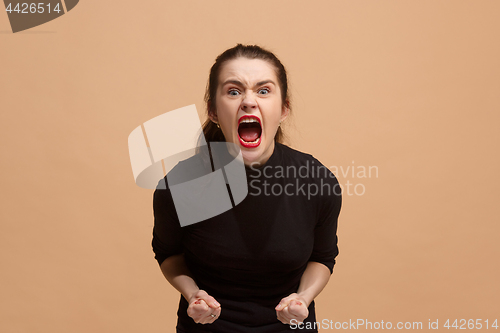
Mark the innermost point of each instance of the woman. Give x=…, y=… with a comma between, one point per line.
x=258, y=266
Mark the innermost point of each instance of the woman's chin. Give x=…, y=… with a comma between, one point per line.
x=254, y=156
x=251, y=155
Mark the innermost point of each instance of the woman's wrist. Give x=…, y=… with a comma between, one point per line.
x=189, y=294
x=306, y=297
x=174, y=268
x=313, y=280
x=186, y=285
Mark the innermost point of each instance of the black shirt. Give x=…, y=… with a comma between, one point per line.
x=251, y=256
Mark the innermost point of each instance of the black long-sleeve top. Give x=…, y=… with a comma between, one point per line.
x=251, y=256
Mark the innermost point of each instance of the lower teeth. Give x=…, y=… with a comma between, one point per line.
x=256, y=140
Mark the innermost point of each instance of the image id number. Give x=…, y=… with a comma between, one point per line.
x=463, y=324
x=32, y=8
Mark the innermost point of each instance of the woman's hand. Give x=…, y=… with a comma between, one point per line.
x=291, y=307
x=203, y=308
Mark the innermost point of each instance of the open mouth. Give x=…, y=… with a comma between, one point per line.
x=249, y=131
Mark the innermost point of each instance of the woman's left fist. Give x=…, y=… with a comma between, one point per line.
x=292, y=307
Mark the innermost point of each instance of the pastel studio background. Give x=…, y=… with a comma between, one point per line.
x=411, y=87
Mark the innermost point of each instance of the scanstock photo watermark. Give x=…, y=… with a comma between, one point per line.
x=309, y=180
x=25, y=15
x=428, y=325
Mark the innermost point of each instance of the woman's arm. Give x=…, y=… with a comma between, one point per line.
x=175, y=270
x=167, y=246
x=313, y=281
x=203, y=308
x=294, y=308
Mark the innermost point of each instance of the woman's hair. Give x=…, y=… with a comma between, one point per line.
x=210, y=129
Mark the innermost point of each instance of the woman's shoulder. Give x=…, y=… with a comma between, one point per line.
x=186, y=170
x=297, y=158
x=291, y=151
x=321, y=184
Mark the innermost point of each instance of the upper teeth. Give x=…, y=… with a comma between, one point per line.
x=249, y=120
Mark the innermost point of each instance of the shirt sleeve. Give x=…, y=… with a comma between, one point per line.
x=167, y=232
x=325, y=248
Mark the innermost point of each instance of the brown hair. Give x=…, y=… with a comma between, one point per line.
x=210, y=129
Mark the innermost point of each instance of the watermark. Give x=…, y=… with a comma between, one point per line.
x=357, y=324
x=205, y=179
x=366, y=324
x=25, y=15
x=294, y=188
x=309, y=180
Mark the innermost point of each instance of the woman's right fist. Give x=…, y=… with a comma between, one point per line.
x=203, y=308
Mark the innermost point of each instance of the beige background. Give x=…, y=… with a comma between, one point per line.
x=411, y=87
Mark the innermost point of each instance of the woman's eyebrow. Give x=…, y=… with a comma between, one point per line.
x=238, y=83
x=261, y=83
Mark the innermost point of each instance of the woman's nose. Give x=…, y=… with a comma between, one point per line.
x=248, y=103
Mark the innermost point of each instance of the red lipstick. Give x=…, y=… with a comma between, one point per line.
x=249, y=131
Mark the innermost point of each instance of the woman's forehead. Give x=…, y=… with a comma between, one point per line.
x=247, y=70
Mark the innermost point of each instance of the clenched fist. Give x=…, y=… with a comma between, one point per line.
x=292, y=307
x=203, y=308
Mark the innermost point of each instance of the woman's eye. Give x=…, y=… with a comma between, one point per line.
x=264, y=91
x=233, y=92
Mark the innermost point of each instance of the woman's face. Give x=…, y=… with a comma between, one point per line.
x=249, y=108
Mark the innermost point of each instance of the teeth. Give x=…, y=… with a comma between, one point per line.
x=257, y=140
x=249, y=120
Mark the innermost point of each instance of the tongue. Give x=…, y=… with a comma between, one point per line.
x=249, y=134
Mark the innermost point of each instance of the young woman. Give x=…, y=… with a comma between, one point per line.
x=258, y=266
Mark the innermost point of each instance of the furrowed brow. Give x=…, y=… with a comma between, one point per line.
x=236, y=82
x=261, y=83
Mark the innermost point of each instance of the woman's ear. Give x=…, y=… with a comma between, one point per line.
x=213, y=117
x=285, y=111
x=212, y=114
